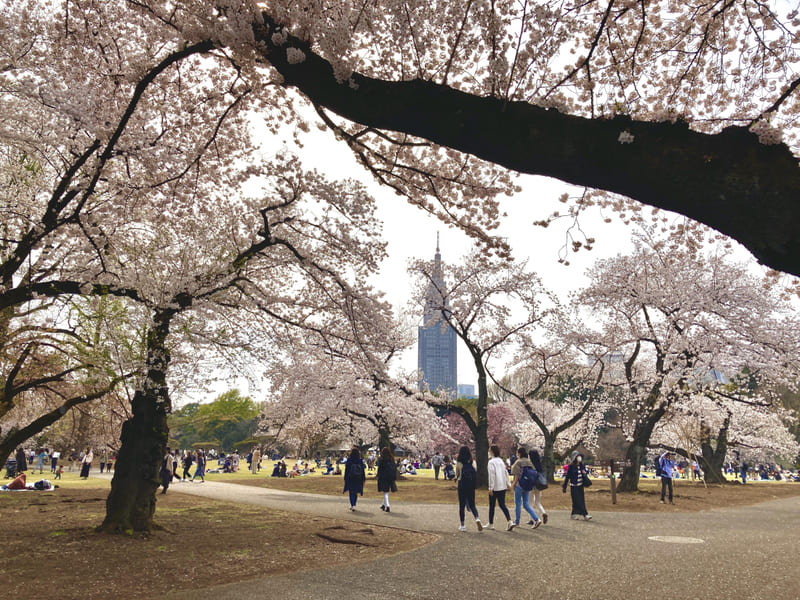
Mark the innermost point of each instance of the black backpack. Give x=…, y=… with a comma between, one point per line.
x=356, y=471
x=469, y=477
x=528, y=478
x=659, y=470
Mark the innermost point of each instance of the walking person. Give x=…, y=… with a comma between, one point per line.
x=166, y=471
x=54, y=456
x=355, y=473
x=103, y=459
x=437, y=462
x=387, y=476
x=533, y=455
x=467, y=478
x=200, y=470
x=41, y=457
x=666, y=463
x=577, y=476
x=499, y=483
x=86, y=463
x=188, y=459
x=521, y=491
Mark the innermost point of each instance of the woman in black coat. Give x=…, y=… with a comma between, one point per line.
x=22, y=461
x=355, y=473
x=387, y=476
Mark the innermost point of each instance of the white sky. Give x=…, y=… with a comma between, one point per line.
x=411, y=233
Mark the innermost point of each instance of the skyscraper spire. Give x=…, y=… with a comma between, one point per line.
x=436, y=340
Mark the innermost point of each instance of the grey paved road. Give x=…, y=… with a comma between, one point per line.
x=746, y=553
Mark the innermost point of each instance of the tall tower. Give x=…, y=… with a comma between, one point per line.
x=436, y=341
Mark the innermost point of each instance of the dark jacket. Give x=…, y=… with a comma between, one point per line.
x=22, y=462
x=387, y=475
x=571, y=476
x=352, y=482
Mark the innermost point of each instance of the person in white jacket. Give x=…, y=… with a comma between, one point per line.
x=498, y=486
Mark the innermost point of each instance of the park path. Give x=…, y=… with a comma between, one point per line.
x=746, y=553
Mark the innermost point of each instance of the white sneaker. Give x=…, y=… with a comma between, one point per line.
x=536, y=524
x=479, y=524
x=462, y=528
x=490, y=527
x=587, y=518
x=510, y=526
x=573, y=516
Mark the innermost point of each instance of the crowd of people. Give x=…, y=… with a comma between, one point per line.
x=52, y=460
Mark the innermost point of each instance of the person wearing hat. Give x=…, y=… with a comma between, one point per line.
x=667, y=463
x=577, y=476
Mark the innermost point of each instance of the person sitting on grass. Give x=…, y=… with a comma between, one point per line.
x=18, y=483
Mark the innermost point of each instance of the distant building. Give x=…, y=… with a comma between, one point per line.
x=436, y=340
x=466, y=390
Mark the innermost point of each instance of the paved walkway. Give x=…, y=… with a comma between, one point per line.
x=745, y=553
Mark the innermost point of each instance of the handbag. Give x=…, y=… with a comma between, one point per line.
x=587, y=482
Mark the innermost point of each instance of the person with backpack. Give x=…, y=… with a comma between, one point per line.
x=355, y=473
x=666, y=466
x=499, y=483
x=539, y=486
x=387, y=476
x=467, y=478
x=577, y=477
x=524, y=479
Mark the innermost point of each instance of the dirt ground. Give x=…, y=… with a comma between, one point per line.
x=50, y=549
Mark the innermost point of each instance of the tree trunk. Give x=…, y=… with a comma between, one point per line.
x=637, y=451
x=549, y=458
x=713, y=454
x=132, y=502
x=481, y=431
x=384, y=438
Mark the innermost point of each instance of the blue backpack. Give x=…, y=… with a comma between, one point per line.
x=528, y=478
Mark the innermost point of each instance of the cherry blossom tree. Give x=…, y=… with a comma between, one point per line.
x=560, y=391
x=670, y=318
x=719, y=429
x=489, y=303
x=686, y=107
x=345, y=388
x=137, y=188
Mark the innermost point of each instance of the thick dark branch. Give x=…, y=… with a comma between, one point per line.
x=729, y=181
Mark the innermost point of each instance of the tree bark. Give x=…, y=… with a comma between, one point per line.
x=637, y=451
x=729, y=181
x=549, y=458
x=384, y=438
x=714, y=450
x=481, y=432
x=131, y=503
